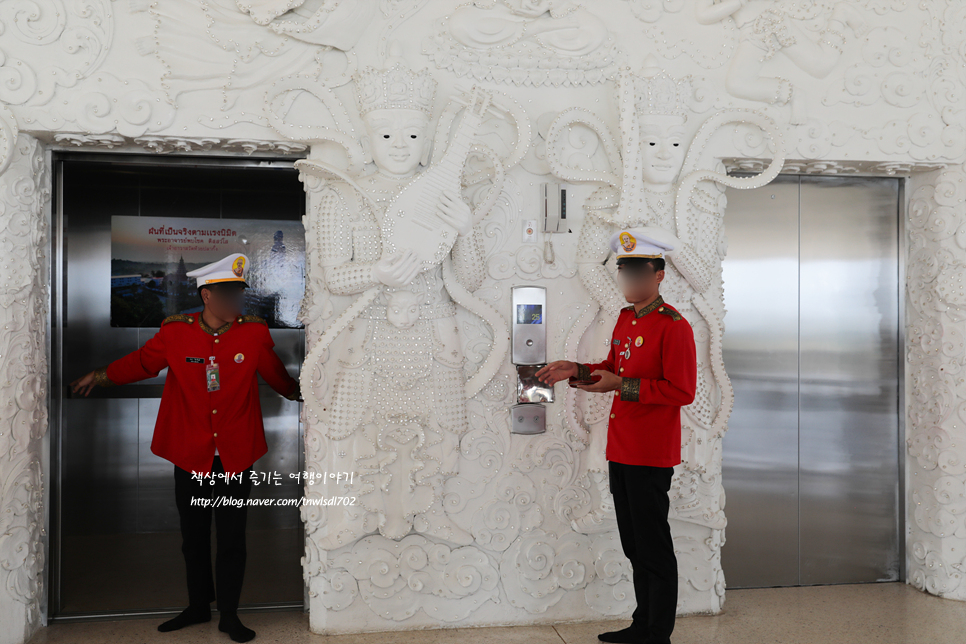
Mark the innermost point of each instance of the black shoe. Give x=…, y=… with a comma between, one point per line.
x=629, y=635
x=229, y=623
x=190, y=615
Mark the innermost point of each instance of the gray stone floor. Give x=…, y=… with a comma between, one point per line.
x=890, y=613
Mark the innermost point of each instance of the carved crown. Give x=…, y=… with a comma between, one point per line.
x=397, y=87
x=657, y=92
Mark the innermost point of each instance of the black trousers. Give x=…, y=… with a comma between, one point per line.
x=641, y=502
x=230, y=522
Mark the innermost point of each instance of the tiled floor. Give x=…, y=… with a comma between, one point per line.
x=887, y=613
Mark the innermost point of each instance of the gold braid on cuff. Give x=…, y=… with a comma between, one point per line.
x=630, y=389
x=296, y=394
x=583, y=372
x=100, y=378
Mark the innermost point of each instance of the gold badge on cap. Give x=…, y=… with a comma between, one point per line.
x=238, y=266
x=239, y=357
x=628, y=242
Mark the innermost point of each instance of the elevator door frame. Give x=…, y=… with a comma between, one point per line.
x=55, y=308
x=902, y=407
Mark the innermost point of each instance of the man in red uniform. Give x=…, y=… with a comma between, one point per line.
x=652, y=370
x=210, y=423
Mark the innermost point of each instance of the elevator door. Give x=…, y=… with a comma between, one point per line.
x=116, y=543
x=811, y=344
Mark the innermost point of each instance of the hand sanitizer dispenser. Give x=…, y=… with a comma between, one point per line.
x=529, y=353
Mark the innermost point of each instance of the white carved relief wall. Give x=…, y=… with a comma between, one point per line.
x=934, y=367
x=24, y=192
x=458, y=521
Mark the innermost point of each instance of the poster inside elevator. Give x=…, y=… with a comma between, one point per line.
x=151, y=256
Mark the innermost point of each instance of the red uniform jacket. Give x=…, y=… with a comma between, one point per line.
x=654, y=352
x=191, y=420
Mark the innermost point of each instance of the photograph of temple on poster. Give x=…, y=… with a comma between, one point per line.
x=151, y=256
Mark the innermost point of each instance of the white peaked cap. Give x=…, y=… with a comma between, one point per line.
x=229, y=269
x=635, y=243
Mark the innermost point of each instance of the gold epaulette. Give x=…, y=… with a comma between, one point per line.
x=252, y=318
x=669, y=311
x=180, y=317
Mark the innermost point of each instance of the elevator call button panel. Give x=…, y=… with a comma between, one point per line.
x=529, y=325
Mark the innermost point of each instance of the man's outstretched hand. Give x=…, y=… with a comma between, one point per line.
x=83, y=384
x=607, y=382
x=564, y=369
x=556, y=371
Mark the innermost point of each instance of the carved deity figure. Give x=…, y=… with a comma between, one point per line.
x=663, y=191
x=395, y=410
x=502, y=40
x=559, y=25
x=765, y=28
x=236, y=46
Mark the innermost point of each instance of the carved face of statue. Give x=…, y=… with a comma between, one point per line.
x=398, y=139
x=403, y=309
x=663, y=146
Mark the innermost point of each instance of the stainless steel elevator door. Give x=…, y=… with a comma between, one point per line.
x=812, y=347
x=116, y=542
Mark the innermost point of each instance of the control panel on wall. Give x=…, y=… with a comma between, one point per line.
x=527, y=418
x=529, y=337
x=554, y=207
x=529, y=353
